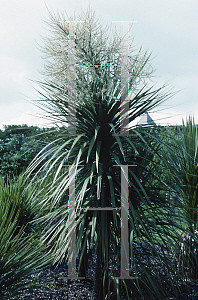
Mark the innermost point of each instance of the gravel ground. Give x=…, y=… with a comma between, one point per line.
x=56, y=286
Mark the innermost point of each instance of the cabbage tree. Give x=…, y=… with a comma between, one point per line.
x=95, y=153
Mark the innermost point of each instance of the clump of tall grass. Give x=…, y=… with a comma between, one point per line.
x=20, y=250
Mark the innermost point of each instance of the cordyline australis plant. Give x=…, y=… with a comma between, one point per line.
x=94, y=152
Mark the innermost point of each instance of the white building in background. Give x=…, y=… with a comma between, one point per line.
x=146, y=120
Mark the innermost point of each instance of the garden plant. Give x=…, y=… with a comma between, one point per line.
x=20, y=251
x=90, y=151
x=95, y=151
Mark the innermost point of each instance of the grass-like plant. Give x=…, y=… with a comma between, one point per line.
x=21, y=253
x=181, y=154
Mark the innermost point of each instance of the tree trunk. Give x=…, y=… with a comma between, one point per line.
x=100, y=292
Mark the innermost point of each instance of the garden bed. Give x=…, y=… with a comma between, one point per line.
x=54, y=284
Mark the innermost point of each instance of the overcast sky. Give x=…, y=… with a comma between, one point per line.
x=168, y=29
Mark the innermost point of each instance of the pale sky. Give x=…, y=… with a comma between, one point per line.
x=168, y=29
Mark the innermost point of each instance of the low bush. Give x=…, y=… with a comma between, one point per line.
x=20, y=250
